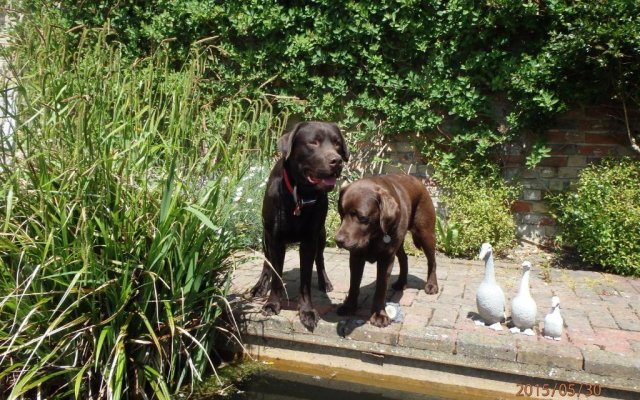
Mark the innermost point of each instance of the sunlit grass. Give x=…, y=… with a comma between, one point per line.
x=117, y=202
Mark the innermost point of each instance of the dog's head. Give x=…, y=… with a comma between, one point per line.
x=315, y=153
x=369, y=216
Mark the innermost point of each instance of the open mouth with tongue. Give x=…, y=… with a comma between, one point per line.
x=325, y=183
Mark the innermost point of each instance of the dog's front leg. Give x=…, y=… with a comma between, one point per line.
x=403, y=261
x=274, y=251
x=324, y=284
x=379, y=316
x=261, y=288
x=356, y=268
x=308, y=315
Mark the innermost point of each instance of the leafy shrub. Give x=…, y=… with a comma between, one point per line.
x=601, y=219
x=478, y=209
x=446, y=236
x=410, y=66
x=117, y=198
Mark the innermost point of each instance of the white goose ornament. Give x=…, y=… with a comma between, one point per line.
x=553, y=321
x=489, y=297
x=523, y=307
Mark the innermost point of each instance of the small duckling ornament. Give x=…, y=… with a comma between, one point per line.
x=553, y=321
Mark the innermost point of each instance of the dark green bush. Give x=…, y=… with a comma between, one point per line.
x=408, y=65
x=601, y=219
x=478, y=209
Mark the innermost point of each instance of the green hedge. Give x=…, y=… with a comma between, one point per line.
x=476, y=210
x=601, y=219
x=410, y=64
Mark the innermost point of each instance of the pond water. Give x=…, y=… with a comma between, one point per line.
x=279, y=385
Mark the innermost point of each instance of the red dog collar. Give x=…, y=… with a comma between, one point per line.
x=294, y=192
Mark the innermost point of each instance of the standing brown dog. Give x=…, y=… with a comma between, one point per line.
x=294, y=210
x=376, y=214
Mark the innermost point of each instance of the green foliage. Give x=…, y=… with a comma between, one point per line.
x=482, y=72
x=447, y=236
x=117, y=201
x=247, y=207
x=601, y=219
x=477, y=210
x=539, y=151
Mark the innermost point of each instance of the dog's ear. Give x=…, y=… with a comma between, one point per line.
x=343, y=188
x=389, y=211
x=345, y=148
x=285, y=143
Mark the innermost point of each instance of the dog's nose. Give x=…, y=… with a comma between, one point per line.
x=335, y=160
x=339, y=241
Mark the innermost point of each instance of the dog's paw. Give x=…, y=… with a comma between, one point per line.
x=380, y=319
x=346, y=309
x=271, y=308
x=260, y=289
x=431, y=288
x=325, y=286
x=309, y=319
x=399, y=286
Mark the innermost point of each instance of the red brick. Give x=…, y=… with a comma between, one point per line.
x=514, y=160
x=573, y=114
x=575, y=137
x=593, y=124
x=602, y=112
x=615, y=339
x=547, y=221
x=521, y=206
x=606, y=138
x=565, y=149
x=556, y=137
x=596, y=150
x=554, y=161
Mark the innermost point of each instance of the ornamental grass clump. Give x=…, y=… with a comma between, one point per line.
x=117, y=191
x=601, y=218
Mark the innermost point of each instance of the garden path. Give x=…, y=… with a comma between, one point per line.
x=600, y=344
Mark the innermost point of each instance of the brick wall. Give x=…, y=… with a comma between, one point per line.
x=404, y=158
x=577, y=138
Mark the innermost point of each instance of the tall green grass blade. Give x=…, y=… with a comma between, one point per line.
x=158, y=385
x=151, y=333
x=8, y=209
x=202, y=217
x=120, y=195
x=78, y=381
x=107, y=330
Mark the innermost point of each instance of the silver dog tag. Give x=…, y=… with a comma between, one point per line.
x=386, y=239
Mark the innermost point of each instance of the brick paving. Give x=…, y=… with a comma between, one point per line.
x=600, y=342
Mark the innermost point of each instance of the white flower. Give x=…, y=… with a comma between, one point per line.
x=239, y=191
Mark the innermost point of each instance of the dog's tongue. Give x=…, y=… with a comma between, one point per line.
x=325, y=182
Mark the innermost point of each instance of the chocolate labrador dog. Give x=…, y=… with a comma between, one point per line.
x=294, y=209
x=376, y=214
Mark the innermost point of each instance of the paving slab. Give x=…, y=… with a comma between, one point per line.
x=600, y=343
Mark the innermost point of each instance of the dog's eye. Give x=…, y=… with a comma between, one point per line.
x=360, y=218
x=314, y=143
